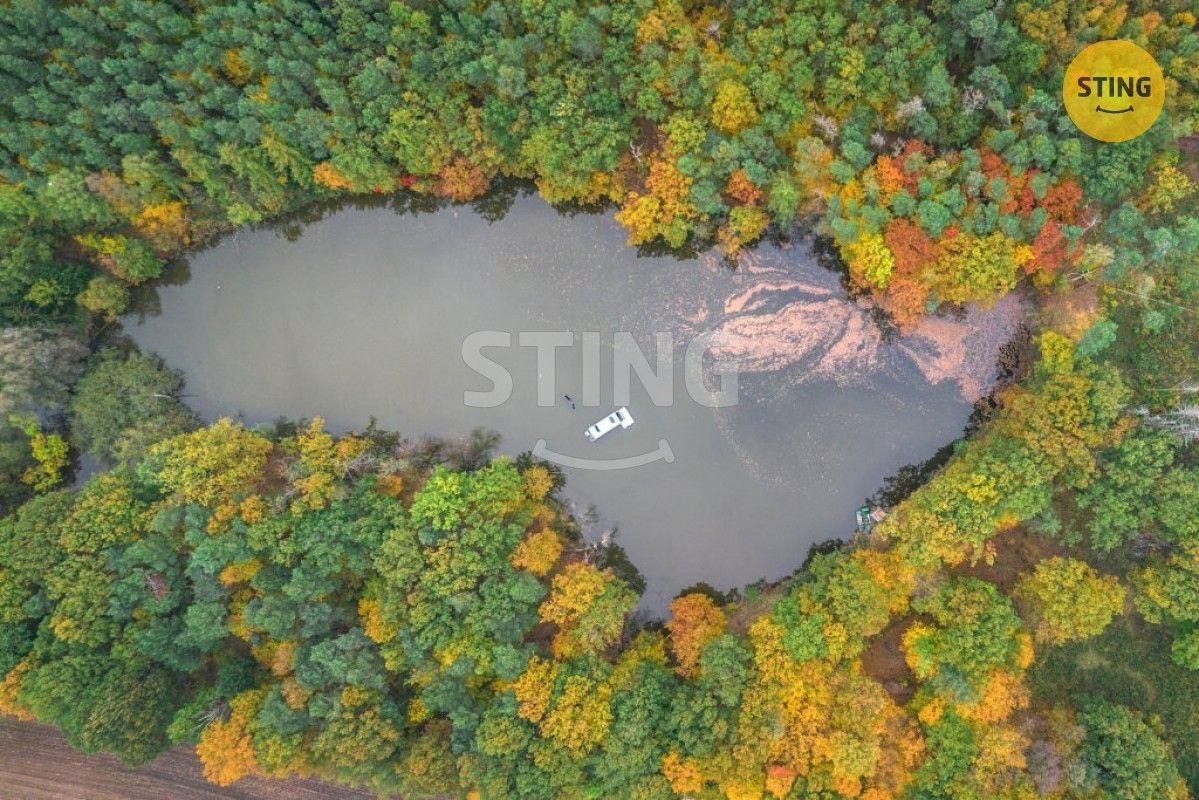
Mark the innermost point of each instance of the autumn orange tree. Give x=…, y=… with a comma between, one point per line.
x=694, y=622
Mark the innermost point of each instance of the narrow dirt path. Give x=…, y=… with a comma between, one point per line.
x=36, y=763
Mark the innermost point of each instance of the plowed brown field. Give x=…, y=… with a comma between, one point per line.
x=36, y=763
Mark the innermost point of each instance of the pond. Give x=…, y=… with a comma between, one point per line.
x=368, y=313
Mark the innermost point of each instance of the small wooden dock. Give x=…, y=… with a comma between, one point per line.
x=868, y=517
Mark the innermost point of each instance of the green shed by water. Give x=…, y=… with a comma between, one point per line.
x=868, y=517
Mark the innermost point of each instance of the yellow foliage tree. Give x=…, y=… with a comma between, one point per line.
x=49, y=452
x=1065, y=599
x=295, y=695
x=895, y=576
x=252, y=509
x=745, y=224
x=589, y=606
x=534, y=688
x=391, y=485
x=581, y=715
x=166, y=225
x=106, y=296
x=1002, y=694
x=1170, y=186
x=683, y=773
x=328, y=176
x=538, y=552
x=977, y=267
x=240, y=571
x=870, y=260
x=374, y=624
x=218, y=462
x=1000, y=750
x=10, y=688
x=236, y=68
x=323, y=460
x=733, y=107
x=666, y=210
x=538, y=482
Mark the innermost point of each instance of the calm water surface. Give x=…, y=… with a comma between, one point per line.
x=366, y=312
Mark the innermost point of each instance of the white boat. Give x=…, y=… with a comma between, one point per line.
x=620, y=418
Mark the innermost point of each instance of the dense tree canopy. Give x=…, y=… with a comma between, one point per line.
x=929, y=141
x=428, y=623
x=301, y=602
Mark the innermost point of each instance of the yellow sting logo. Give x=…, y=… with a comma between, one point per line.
x=1114, y=90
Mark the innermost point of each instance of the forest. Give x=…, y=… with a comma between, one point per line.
x=423, y=617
